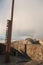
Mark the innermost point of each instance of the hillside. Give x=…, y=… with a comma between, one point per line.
x=27, y=50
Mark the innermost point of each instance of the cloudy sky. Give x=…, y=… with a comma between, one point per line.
x=28, y=18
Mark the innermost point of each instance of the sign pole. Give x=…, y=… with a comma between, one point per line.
x=9, y=34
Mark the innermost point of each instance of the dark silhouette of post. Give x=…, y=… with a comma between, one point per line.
x=9, y=34
x=25, y=48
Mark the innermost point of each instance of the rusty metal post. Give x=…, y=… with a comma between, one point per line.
x=25, y=48
x=8, y=35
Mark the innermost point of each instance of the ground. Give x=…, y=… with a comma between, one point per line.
x=18, y=61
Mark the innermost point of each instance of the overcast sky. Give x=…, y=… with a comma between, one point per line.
x=28, y=18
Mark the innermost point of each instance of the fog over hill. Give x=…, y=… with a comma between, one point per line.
x=28, y=17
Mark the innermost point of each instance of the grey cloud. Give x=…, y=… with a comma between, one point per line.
x=23, y=34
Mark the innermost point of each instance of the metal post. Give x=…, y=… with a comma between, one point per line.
x=8, y=35
x=25, y=48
